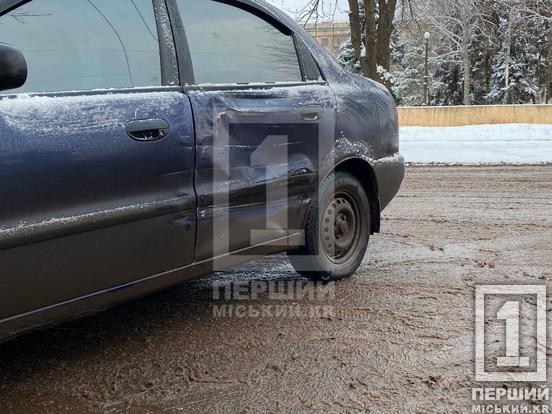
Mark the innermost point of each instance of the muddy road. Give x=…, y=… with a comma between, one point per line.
x=399, y=338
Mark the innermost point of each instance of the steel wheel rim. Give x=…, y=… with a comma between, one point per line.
x=340, y=228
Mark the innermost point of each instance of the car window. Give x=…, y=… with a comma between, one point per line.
x=231, y=45
x=311, y=72
x=85, y=44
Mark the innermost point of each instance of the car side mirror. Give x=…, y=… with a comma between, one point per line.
x=13, y=68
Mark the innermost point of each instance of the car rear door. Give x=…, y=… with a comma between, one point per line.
x=261, y=110
x=96, y=154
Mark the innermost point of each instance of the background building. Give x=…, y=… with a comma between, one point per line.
x=329, y=35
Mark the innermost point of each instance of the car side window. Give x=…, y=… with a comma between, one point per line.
x=231, y=45
x=85, y=44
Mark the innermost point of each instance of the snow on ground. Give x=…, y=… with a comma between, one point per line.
x=478, y=144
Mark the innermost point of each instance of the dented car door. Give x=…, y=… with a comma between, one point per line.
x=261, y=109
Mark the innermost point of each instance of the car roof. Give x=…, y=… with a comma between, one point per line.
x=260, y=5
x=268, y=9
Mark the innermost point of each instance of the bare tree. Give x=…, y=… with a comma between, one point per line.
x=372, y=47
x=356, y=28
x=316, y=10
x=372, y=27
x=457, y=22
x=542, y=9
x=502, y=32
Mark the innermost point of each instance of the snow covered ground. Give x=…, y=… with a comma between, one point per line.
x=478, y=144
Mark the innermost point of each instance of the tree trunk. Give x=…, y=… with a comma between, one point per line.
x=548, y=72
x=467, y=84
x=354, y=20
x=387, y=10
x=489, y=53
x=370, y=68
x=377, y=36
x=466, y=68
x=507, y=62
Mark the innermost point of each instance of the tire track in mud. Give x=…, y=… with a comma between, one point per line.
x=402, y=340
x=459, y=251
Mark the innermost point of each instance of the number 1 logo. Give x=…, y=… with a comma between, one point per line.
x=510, y=313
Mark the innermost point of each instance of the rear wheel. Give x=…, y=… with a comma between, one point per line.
x=337, y=230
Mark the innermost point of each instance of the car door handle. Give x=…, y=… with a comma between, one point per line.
x=148, y=129
x=311, y=113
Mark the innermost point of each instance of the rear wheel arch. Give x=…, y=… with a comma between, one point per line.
x=364, y=172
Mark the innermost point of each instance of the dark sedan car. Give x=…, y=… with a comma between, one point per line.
x=146, y=142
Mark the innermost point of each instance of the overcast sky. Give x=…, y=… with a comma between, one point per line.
x=336, y=8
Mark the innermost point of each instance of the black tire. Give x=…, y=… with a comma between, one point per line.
x=334, y=251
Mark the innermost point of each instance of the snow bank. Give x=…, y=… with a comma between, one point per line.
x=478, y=144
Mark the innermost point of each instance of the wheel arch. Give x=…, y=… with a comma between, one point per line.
x=364, y=172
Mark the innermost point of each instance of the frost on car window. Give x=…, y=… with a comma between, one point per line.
x=85, y=44
x=230, y=45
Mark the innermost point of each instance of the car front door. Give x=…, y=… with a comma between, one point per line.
x=96, y=154
x=261, y=111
